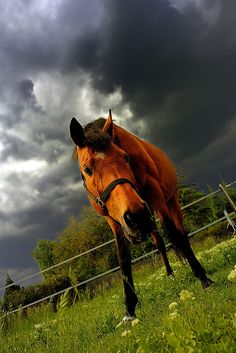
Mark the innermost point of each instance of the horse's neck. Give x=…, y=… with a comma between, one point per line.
x=128, y=141
x=137, y=150
x=144, y=151
x=148, y=159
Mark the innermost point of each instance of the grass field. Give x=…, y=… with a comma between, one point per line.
x=174, y=315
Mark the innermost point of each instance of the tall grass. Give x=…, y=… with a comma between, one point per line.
x=174, y=314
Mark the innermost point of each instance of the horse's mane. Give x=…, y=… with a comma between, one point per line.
x=96, y=138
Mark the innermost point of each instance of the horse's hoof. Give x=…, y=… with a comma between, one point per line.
x=206, y=282
x=128, y=318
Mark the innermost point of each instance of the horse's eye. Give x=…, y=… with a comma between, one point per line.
x=127, y=158
x=87, y=170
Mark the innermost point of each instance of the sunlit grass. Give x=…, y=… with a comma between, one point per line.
x=174, y=314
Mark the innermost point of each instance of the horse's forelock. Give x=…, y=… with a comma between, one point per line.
x=95, y=125
x=98, y=141
x=96, y=138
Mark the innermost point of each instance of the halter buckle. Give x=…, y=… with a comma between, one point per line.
x=100, y=202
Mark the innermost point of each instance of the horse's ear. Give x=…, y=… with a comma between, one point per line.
x=77, y=133
x=109, y=127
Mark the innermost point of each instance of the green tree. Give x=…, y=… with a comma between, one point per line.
x=44, y=255
x=81, y=234
x=217, y=203
x=198, y=214
x=11, y=290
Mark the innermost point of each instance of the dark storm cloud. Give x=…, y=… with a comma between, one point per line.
x=37, y=202
x=35, y=38
x=25, y=96
x=17, y=260
x=10, y=248
x=43, y=219
x=175, y=69
x=16, y=146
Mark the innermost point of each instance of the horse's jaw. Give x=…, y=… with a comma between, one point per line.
x=135, y=240
x=137, y=226
x=136, y=237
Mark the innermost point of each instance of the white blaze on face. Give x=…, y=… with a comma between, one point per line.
x=100, y=155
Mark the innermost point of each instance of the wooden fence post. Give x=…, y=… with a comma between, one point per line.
x=223, y=189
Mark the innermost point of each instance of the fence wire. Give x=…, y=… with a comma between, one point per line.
x=99, y=246
x=49, y=297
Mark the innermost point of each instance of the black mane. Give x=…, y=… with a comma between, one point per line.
x=96, y=138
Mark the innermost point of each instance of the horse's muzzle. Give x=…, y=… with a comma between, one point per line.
x=138, y=225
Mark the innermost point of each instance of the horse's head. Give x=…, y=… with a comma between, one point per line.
x=108, y=178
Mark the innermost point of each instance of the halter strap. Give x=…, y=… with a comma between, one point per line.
x=100, y=200
x=106, y=193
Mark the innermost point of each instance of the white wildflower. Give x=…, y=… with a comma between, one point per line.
x=173, y=306
x=232, y=275
x=135, y=322
x=185, y=295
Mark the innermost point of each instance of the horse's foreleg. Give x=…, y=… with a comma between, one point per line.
x=160, y=245
x=124, y=258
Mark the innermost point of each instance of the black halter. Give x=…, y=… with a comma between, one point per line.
x=101, y=199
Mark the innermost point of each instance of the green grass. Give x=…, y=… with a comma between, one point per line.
x=202, y=321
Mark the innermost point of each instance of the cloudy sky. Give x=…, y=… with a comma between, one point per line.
x=167, y=70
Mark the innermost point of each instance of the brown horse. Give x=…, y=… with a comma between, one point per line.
x=128, y=180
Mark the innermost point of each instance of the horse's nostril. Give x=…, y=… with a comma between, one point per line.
x=129, y=220
x=141, y=220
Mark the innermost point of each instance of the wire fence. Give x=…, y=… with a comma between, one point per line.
x=113, y=269
x=26, y=278
x=49, y=297
x=58, y=264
